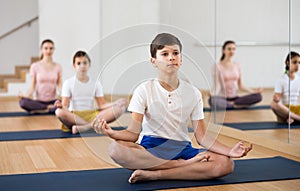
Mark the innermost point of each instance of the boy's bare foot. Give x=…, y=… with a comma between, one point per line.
x=290, y=120
x=143, y=175
x=198, y=158
x=146, y=175
x=74, y=129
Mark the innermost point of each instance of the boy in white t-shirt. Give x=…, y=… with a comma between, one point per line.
x=161, y=109
x=77, y=110
x=288, y=84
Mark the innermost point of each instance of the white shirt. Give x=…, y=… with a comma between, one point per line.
x=82, y=94
x=167, y=114
x=282, y=86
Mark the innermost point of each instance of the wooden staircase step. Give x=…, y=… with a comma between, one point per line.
x=20, y=72
x=19, y=76
x=23, y=74
x=34, y=59
x=20, y=69
x=11, y=80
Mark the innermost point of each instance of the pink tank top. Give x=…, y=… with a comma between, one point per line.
x=229, y=79
x=46, y=81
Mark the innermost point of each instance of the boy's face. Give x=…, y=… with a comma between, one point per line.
x=168, y=59
x=294, y=66
x=81, y=64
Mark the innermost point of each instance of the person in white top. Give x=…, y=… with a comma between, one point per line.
x=282, y=104
x=77, y=110
x=161, y=109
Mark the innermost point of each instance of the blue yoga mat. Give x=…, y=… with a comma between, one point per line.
x=48, y=134
x=250, y=170
x=45, y=134
x=260, y=125
x=206, y=109
x=26, y=114
x=22, y=114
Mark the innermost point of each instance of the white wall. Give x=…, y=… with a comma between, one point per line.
x=88, y=25
x=117, y=35
x=72, y=25
x=20, y=46
x=246, y=22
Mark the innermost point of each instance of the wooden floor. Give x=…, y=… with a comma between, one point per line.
x=22, y=157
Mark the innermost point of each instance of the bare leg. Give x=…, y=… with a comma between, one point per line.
x=112, y=113
x=217, y=166
x=282, y=112
x=70, y=120
x=133, y=156
x=109, y=114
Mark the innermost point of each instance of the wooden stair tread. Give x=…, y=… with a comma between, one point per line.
x=20, y=73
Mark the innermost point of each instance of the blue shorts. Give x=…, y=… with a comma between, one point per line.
x=169, y=149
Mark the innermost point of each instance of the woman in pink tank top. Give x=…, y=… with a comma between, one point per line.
x=46, y=82
x=227, y=74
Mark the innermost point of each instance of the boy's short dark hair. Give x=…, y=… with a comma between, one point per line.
x=161, y=40
x=81, y=53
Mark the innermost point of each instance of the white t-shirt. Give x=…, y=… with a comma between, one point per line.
x=82, y=94
x=167, y=114
x=282, y=86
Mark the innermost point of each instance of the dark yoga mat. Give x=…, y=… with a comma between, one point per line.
x=26, y=114
x=22, y=114
x=45, y=134
x=206, y=109
x=260, y=125
x=48, y=134
x=250, y=170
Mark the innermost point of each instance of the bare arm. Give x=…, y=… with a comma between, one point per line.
x=239, y=150
x=276, y=97
x=59, y=85
x=131, y=134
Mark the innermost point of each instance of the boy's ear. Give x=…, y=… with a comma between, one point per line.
x=152, y=60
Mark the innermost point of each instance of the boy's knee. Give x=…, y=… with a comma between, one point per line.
x=119, y=153
x=228, y=167
x=224, y=167
x=59, y=113
x=114, y=151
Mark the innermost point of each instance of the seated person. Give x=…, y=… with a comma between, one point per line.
x=228, y=80
x=280, y=103
x=77, y=110
x=161, y=110
x=46, y=81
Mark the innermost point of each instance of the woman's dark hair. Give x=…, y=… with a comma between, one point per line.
x=290, y=56
x=43, y=42
x=224, y=46
x=161, y=40
x=81, y=53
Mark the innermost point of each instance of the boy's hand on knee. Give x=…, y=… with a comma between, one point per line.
x=58, y=104
x=276, y=98
x=240, y=150
x=101, y=127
